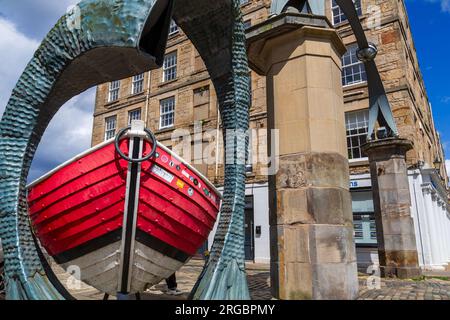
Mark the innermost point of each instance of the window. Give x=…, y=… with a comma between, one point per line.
x=251, y=149
x=134, y=115
x=365, y=229
x=339, y=16
x=353, y=70
x=138, y=84
x=110, y=127
x=167, y=111
x=173, y=29
x=114, y=88
x=357, y=128
x=249, y=162
x=170, y=67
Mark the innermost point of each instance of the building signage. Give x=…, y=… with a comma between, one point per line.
x=363, y=183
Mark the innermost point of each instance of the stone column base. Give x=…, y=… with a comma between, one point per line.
x=397, y=247
x=400, y=272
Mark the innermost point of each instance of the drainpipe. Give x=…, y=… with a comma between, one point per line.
x=147, y=99
x=217, y=141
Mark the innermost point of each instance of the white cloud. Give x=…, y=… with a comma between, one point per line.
x=445, y=4
x=34, y=17
x=445, y=99
x=69, y=132
x=15, y=51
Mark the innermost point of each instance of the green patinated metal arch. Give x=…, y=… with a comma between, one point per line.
x=116, y=39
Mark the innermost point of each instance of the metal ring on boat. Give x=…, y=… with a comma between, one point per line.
x=151, y=139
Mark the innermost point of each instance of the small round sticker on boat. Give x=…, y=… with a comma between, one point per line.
x=164, y=159
x=171, y=164
x=191, y=192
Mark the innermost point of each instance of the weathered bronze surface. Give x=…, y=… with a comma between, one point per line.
x=105, y=40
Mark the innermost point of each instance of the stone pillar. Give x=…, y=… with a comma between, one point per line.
x=421, y=218
x=443, y=225
x=397, y=247
x=436, y=215
x=312, y=246
x=445, y=232
x=429, y=229
x=447, y=228
x=442, y=239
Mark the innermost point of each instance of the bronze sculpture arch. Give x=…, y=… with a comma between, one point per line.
x=116, y=39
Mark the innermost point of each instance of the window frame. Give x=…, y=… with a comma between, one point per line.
x=349, y=136
x=335, y=6
x=352, y=50
x=173, y=28
x=109, y=129
x=162, y=113
x=364, y=228
x=364, y=223
x=130, y=113
x=168, y=75
x=135, y=80
x=114, y=91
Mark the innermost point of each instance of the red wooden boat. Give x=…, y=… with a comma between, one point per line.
x=124, y=222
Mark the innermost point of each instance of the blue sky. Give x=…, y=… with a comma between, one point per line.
x=24, y=23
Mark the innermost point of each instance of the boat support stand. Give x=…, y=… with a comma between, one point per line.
x=137, y=133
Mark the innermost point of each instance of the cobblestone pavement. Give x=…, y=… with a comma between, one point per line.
x=393, y=289
x=258, y=277
x=428, y=288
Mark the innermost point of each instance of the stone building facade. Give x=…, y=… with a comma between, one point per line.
x=178, y=100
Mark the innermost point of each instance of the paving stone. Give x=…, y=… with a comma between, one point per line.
x=259, y=285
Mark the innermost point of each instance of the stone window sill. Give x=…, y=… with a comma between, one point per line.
x=165, y=130
x=165, y=83
x=358, y=162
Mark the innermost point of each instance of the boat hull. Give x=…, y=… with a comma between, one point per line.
x=79, y=213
